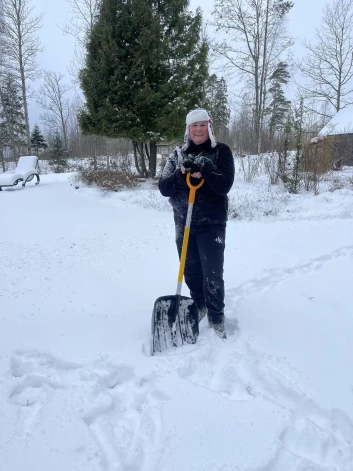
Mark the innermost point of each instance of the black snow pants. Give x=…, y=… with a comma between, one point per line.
x=204, y=267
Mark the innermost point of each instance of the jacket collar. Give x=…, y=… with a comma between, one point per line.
x=197, y=149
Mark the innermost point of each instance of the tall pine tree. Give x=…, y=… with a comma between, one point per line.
x=145, y=68
x=279, y=106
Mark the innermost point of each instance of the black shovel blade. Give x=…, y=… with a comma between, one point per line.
x=174, y=322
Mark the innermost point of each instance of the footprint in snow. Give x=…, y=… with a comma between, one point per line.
x=33, y=387
x=124, y=419
x=215, y=369
x=29, y=396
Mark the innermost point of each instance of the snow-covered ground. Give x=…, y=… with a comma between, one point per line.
x=78, y=389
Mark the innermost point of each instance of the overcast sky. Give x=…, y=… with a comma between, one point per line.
x=303, y=18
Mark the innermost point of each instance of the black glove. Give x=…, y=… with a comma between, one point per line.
x=205, y=165
x=203, y=162
x=191, y=166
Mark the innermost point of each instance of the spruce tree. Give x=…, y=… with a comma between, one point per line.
x=58, y=154
x=145, y=68
x=37, y=140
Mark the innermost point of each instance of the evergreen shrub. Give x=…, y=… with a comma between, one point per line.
x=108, y=180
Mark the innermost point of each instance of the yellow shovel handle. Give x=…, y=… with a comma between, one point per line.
x=184, y=249
x=193, y=188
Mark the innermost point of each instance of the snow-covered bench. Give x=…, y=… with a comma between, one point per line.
x=24, y=172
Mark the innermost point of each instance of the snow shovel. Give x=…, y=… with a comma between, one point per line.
x=175, y=317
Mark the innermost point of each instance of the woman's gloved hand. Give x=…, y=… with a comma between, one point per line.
x=203, y=162
x=191, y=166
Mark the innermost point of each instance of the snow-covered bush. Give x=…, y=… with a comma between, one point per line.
x=337, y=184
x=113, y=180
x=253, y=202
x=152, y=199
x=271, y=167
x=249, y=166
x=108, y=173
x=341, y=182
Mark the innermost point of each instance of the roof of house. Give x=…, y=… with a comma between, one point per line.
x=341, y=123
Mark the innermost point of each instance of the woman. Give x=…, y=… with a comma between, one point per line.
x=204, y=158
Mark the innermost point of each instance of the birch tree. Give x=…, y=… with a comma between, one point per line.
x=21, y=46
x=255, y=40
x=328, y=65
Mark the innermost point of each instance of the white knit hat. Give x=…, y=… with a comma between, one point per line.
x=200, y=114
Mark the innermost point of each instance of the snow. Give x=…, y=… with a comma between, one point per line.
x=78, y=390
x=341, y=123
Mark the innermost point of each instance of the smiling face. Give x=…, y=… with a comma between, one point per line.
x=199, y=132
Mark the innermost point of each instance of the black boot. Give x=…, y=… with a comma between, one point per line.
x=216, y=322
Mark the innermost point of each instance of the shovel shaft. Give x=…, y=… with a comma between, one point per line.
x=184, y=249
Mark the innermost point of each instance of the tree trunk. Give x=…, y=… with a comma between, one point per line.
x=25, y=108
x=257, y=104
x=64, y=128
x=15, y=154
x=153, y=159
x=339, y=90
x=95, y=166
x=2, y=159
x=137, y=165
x=262, y=79
x=140, y=149
x=270, y=144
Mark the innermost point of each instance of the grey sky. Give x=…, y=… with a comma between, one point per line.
x=304, y=17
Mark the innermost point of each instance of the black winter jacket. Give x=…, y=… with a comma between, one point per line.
x=211, y=203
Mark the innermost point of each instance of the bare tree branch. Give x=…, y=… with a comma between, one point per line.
x=79, y=25
x=53, y=100
x=328, y=65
